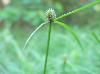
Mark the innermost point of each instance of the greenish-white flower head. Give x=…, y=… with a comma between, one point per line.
x=50, y=14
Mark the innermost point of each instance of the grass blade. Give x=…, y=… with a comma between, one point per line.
x=78, y=10
x=33, y=34
x=71, y=31
x=96, y=37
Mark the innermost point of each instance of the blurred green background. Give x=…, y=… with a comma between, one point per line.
x=19, y=18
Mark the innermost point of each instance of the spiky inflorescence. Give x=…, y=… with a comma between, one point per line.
x=50, y=14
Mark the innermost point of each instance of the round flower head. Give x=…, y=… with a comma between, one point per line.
x=50, y=14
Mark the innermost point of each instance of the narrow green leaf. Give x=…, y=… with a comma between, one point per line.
x=96, y=37
x=33, y=33
x=78, y=10
x=71, y=31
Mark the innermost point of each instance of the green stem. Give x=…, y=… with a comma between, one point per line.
x=47, y=51
x=64, y=64
x=78, y=10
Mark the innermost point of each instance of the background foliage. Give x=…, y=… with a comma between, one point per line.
x=19, y=18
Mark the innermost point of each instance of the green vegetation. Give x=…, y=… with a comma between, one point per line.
x=54, y=47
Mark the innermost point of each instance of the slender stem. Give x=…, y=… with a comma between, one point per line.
x=78, y=10
x=64, y=64
x=47, y=51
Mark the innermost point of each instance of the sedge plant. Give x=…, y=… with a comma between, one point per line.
x=51, y=18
